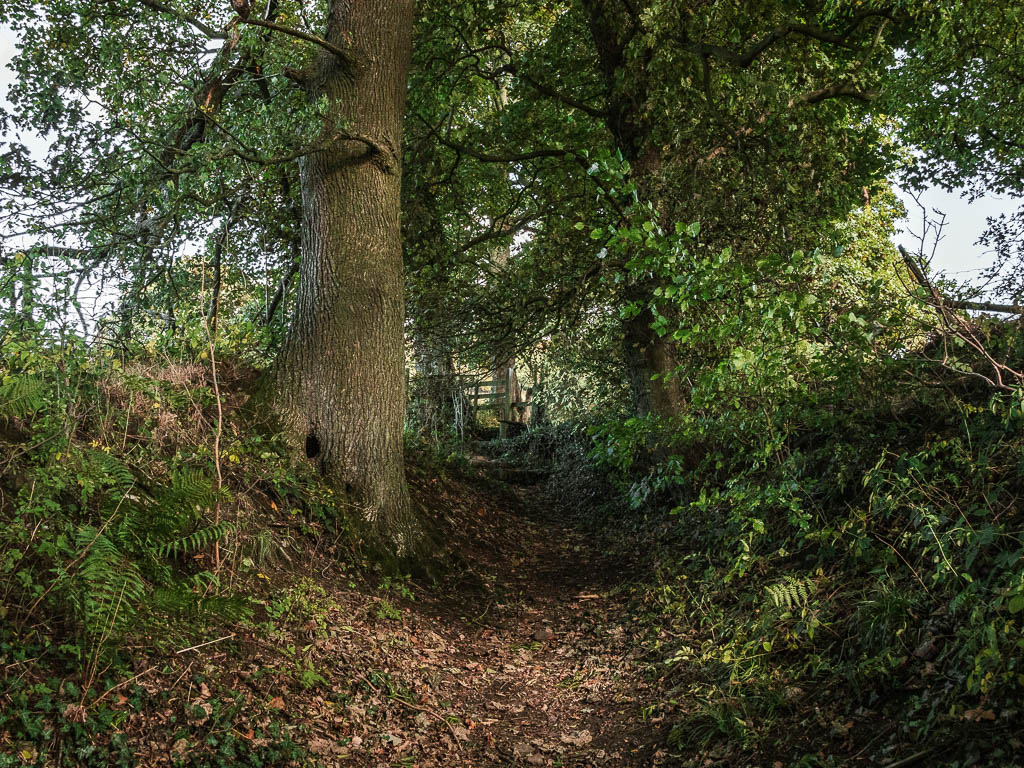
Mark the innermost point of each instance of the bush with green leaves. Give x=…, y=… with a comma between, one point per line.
x=111, y=518
x=849, y=505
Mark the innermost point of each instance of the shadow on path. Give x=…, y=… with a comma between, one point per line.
x=537, y=658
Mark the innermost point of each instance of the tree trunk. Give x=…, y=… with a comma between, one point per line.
x=340, y=377
x=651, y=364
x=645, y=353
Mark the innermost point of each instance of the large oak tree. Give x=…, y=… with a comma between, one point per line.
x=179, y=123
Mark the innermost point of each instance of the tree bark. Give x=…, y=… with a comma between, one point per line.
x=651, y=361
x=651, y=364
x=340, y=377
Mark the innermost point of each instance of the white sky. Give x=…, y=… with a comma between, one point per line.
x=91, y=298
x=957, y=255
x=36, y=144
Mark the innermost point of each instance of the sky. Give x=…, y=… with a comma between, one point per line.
x=957, y=255
x=36, y=144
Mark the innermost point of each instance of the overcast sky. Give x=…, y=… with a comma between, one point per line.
x=957, y=254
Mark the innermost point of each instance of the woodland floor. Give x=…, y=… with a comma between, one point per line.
x=535, y=644
x=522, y=654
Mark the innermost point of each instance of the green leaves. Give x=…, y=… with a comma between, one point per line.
x=741, y=358
x=693, y=230
x=21, y=395
x=1016, y=604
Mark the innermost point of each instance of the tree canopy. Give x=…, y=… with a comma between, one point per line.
x=657, y=235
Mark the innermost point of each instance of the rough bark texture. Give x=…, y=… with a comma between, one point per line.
x=650, y=360
x=648, y=355
x=340, y=379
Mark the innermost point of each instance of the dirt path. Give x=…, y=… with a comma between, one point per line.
x=529, y=655
x=523, y=654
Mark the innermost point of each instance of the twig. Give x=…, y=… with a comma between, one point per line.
x=121, y=685
x=417, y=707
x=943, y=301
x=876, y=737
x=901, y=557
x=912, y=759
x=211, y=342
x=83, y=553
x=206, y=29
x=208, y=642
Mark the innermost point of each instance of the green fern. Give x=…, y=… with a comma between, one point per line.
x=111, y=585
x=196, y=540
x=112, y=470
x=192, y=488
x=134, y=551
x=792, y=592
x=179, y=601
x=21, y=395
x=161, y=522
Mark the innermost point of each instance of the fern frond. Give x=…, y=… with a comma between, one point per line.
x=792, y=592
x=21, y=395
x=148, y=521
x=192, y=488
x=177, y=601
x=112, y=470
x=230, y=608
x=110, y=586
x=196, y=540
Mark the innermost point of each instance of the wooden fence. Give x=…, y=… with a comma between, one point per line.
x=493, y=393
x=497, y=393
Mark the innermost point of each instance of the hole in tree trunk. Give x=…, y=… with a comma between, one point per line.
x=312, y=446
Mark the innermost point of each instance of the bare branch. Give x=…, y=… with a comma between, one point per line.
x=941, y=301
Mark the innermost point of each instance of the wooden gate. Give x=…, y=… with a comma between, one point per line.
x=497, y=393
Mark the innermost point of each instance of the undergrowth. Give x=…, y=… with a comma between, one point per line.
x=843, y=582
x=118, y=542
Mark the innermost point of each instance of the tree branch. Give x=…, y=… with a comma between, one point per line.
x=192, y=20
x=344, y=56
x=836, y=91
x=781, y=32
x=282, y=287
x=486, y=157
x=941, y=301
x=215, y=34
x=519, y=157
x=552, y=93
x=492, y=234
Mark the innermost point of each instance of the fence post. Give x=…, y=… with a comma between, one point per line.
x=506, y=404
